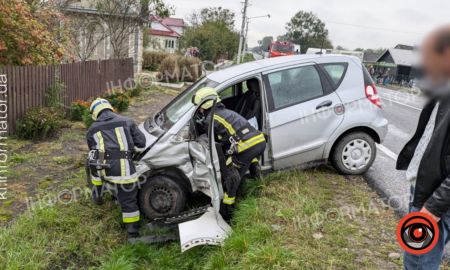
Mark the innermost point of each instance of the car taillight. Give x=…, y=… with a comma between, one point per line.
x=371, y=94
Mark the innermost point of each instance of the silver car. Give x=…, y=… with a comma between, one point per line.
x=311, y=109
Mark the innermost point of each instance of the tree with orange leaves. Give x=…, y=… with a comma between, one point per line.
x=33, y=32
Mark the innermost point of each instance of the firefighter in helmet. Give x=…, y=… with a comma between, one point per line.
x=112, y=140
x=243, y=142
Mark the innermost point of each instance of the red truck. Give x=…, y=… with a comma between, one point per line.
x=281, y=48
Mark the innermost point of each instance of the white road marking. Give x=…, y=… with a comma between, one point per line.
x=401, y=103
x=387, y=151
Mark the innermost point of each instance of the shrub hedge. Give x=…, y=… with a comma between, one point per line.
x=152, y=60
x=190, y=68
x=118, y=98
x=39, y=122
x=169, y=69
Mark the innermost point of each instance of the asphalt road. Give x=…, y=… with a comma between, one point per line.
x=402, y=110
x=257, y=56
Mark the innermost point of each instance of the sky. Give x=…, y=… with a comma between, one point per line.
x=351, y=23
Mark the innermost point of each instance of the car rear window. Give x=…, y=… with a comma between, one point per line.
x=367, y=79
x=335, y=71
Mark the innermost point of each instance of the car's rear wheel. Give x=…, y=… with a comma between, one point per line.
x=161, y=196
x=354, y=153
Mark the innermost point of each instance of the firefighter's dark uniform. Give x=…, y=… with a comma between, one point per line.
x=118, y=137
x=252, y=145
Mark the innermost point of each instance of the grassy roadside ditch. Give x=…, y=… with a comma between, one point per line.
x=267, y=233
x=280, y=222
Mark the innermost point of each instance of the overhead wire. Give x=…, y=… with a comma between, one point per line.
x=341, y=23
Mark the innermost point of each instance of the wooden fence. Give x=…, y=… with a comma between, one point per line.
x=26, y=85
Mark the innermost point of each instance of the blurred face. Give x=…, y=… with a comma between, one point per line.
x=436, y=65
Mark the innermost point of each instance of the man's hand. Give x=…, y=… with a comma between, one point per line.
x=424, y=210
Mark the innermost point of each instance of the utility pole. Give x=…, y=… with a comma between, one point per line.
x=245, y=41
x=244, y=16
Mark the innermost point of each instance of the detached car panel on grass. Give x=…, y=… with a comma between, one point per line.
x=311, y=109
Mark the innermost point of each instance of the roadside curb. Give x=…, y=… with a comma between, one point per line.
x=171, y=85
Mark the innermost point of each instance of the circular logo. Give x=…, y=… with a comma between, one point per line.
x=65, y=196
x=146, y=81
x=332, y=214
x=417, y=233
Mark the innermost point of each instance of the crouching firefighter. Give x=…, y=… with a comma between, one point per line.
x=243, y=144
x=112, y=140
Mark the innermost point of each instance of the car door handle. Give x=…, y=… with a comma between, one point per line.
x=327, y=103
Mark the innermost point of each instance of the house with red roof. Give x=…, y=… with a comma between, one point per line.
x=165, y=34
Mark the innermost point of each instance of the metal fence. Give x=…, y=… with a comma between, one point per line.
x=26, y=85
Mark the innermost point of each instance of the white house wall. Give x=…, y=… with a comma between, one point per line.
x=161, y=40
x=177, y=29
x=159, y=26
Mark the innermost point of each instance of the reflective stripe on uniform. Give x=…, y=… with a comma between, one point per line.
x=122, y=161
x=101, y=147
x=117, y=181
x=95, y=182
x=220, y=137
x=123, y=181
x=225, y=124
x=229, y=160
x=128, y=178
x=125, y=148
x=255, y=160
x=228, y=200
x=130, y=217
x=250, y=142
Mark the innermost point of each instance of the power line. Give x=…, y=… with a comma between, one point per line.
x=347, y=24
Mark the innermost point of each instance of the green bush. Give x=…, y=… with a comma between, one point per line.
x=37, y=123
x=134, y=92
x=78, y=107
x=87, y=118
x=118, y=99
x=53, y=93
x=190, y=68
x=169, y=69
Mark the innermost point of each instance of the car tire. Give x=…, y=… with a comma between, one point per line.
x=354, y=153
x=161, y=196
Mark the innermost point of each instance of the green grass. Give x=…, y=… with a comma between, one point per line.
x=82, y=236
x=247, y=58
x=16, y=158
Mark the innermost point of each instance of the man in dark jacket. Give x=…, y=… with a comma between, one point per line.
x=234, y=132
x=196, y=52
x=112, y=140
x=426, y=157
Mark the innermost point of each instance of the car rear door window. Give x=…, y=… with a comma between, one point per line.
x=295, y=85
x=335, y=71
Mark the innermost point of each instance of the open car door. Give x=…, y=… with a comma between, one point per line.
x=210, y=228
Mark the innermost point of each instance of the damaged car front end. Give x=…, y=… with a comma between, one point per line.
x=180, y=159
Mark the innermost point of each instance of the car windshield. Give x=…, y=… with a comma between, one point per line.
x=183, y=103
x=283, y=48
